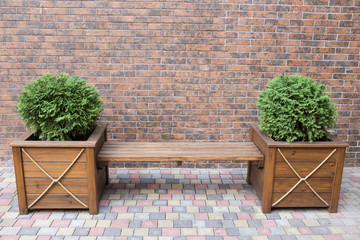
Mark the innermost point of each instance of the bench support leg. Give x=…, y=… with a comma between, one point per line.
x=248, y=173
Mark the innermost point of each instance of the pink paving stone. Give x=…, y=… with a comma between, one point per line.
x=5, y=202
x=118, y=185
x=1, y=213
x=305, y=230
x=220, y=191
x=248, y=202
x=119, y=209
x=120, y=223
x=201, y=186
x=236, y=176
x=166, y=209
x=185, y=172
x=268, y=223
x=134, y=191
x=9, y=237
x=43, y=238
x=153, y=186
x=355, y=179
x=220, y=232
x=2, y=179
x=104, y=203
x=337, y=215
x=214, y=176
x=201, y=216
x=24, y=223
x=165, y=172
x=134, y=176
x=264, y=231
x=135, y=180
x=224, y=172
x=149, y=223
x=333, y=237
x=60, y=223
x=120, y=238
x=189, y=197
x=222, y=203
x=343, y=196
x=112, y=170
x=170, y=232
x=8, y=190
x=196, y=238
x=236, y=186
x=298, y=215
x=165, y=197
x=351, y=229
x=243, y=216
x=174, y=191
x=41, y=215
x=199, y=203
x=133, y=171
x=190, y=176
x=251, y=197
x=96, y=231
x=144, y=203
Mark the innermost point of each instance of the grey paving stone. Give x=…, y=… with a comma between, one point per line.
x=274, y=237
x=70, y=215
x=213, y=223
x=71, y=238
x=140, y=197
x=81, y=231
x=179, y=209
x=277, y=231
x=112, y=232
x=100, y=215
x=214, y=197
x=199, y=223
x=182, y=224
x=142, y=216
x=76, y=223
x=283, y=223
x=157, y=216
x=110, y=216
x=213, y=238
x=135, y=209
x=155, y=231
x=135, y=224
x=160, y=202
x=233, y=231
x=320, y=230
x=254, y=223
x=205, y=209
x=135, y=238
x=186, y=203
x=49, y=231
x=272, y=216
x=186, y=216
x=228, y=223
x=9, y=231
x=57, y=238
x=248, y=231
x=28, y=231
x=296, y=223
x=56, y=215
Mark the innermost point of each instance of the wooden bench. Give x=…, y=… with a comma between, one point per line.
x=177, y=151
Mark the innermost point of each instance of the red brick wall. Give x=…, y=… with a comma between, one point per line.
x=181, y=70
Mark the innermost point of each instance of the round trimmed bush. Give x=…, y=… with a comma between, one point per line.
x=59, y=107
x=296, y=108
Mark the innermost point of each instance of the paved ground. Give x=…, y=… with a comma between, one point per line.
x=187, y=204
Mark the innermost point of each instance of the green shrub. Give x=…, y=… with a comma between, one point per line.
x=59, y=107
x=296, y=108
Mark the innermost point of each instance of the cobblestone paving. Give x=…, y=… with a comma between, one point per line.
x=186, y=204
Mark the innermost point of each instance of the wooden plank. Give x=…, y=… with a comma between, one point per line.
x=38, y=185
x=337, y=181
x=301, y=200
x=58, y=201
x=268, y=180
x=92, y=181
x=257, y=178
x=78, y=170
x=306, y=155
x=20, y=181
x=282, y=170
x=161, y=151
x=54, y=155
x=282, y=185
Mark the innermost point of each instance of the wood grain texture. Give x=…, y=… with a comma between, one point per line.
x=337, y=181
x=282, y=185
x=173, y=151
x=78, y=170
x=38, y=185
x=92, y=181
x=58, y=201
x=20, y=181
x=303, y=155
x=53, y=155
x=301, y=199
x=268, y=180
x=282, y=170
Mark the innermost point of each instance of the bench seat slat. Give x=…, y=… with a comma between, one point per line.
x=184, y=151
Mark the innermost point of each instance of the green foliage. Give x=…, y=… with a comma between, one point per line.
x=296, y=108
x=59, y=107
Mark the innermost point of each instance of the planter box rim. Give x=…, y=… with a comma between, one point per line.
x=272, y=143
x=91, y=142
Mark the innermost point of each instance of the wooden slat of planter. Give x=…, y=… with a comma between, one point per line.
x=297, y=200
x=57, y=201
x=38, y=185
x=165, y=151
x=306, y=155
x=54, y=155
x=54, y=169
x=282, y=170
x=282, y=185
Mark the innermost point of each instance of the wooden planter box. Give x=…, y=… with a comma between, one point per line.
x=59, y=174
x=298, y=174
